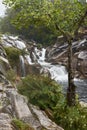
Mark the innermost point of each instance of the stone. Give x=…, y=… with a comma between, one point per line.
x=83, y=55
x=22, y=111
x=44, y=120
x=5, y=122
x=4, y=65
x=83, y=104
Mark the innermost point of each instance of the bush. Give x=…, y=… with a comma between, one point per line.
x=70, y=118
x=13, y=55
x=19, y=125
x=41, y=91
x=46, y=93
x=11, y=75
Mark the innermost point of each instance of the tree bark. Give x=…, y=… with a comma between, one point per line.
x=71, y=87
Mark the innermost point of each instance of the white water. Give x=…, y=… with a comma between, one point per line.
x=40, y=54
x=10, y=41
x=29, y=59
x=57, y=72
x=22, y=66
x=20, y=44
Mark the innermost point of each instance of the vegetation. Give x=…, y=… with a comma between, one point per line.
x=11, y=75
x=41, y=91
x=45, y=93
x=57, y=17
x=19, y=125
x=40, y=34
x=62, y=17
x=13, y=55
x=71, y=118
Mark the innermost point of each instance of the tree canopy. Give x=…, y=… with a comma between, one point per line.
x=49, y=13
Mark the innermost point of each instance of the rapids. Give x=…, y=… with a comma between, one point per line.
x=57, y=72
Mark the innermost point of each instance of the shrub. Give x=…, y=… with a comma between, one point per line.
x=11, y=75
x=13, y=55
x=70, y=118
x=41, y=91
x=19, y=125
x=46, y=93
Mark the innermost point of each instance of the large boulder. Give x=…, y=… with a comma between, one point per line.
x=30, y=114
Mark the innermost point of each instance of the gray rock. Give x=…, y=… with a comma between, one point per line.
x=4, y=65
x=44, y=120
x=22, y=111
x=5, y=122
x=83, y=55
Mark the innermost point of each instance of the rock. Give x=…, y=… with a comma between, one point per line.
x=5, y=122
x=22, y=111
x=3, y=80
x=7, y=109
x=57, y=53
x=4, y=65
x=82, y=55
x=83, y=104
x=2, y=52
x=1, y=87
x=44, y=120
x=29, y=114
x=33, y=69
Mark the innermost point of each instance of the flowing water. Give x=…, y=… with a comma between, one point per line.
x=22, y=66
x=57, y=72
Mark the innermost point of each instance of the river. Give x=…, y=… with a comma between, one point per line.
x=57, y=72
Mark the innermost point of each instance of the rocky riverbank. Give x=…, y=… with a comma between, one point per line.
x=13, y=105
x=57, y=54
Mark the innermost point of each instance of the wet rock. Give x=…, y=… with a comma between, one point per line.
x=58, y=54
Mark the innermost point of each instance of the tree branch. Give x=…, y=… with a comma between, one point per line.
x=64, y=33
x=80, y=23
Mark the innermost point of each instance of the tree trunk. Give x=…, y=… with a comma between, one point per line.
x=71, y=86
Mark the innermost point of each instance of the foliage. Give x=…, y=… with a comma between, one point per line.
x=41, y=91
x=45, y=93
x=40, y=34
x=40, y=18
x=13, y=55
x=71, y=118
x=65, y=14
x=11, y=75
x=19, y=125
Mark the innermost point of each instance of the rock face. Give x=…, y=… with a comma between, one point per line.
x=5, y=122
x=13, y=105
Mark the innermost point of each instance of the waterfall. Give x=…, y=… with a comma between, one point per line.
x=58, y=73
x=22, y=66
x=40, y=54
x=28, y=59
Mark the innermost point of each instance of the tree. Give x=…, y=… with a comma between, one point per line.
x=63, y=17
x=40, y=34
